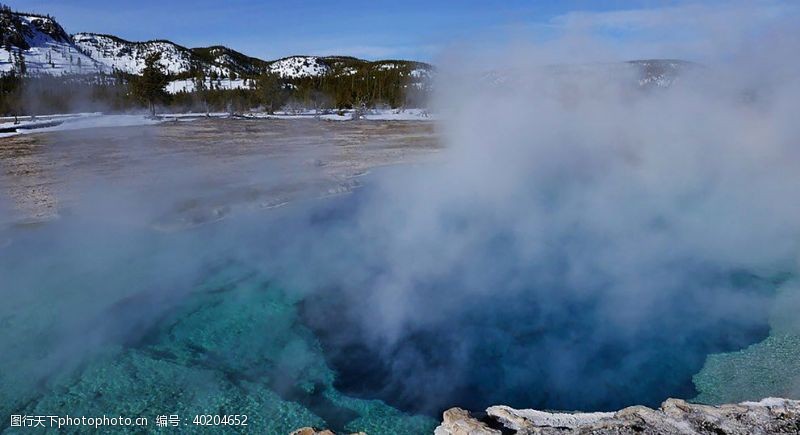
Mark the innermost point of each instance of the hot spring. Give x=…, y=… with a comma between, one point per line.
x=588, y=253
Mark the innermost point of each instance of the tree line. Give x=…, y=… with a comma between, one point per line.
x=361, y=87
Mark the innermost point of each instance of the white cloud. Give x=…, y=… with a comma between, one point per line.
x=693, y=31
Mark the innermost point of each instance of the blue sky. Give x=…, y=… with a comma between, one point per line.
x=408, y=29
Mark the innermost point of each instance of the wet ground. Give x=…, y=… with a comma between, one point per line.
x=253, y=163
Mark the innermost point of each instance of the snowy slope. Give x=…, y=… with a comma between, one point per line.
x=299, y=66
x=225, y=60
x=313, y=66
x=126, y=56
x=45, y=48
x=42, y=46
x=129, y=56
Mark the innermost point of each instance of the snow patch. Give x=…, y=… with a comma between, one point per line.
x=99, y=121
x=299, y=66
x=189, y=85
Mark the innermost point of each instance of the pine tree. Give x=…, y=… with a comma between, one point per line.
x=20, y=66
x=271, y=92
x=149, y=87
x=200, y=88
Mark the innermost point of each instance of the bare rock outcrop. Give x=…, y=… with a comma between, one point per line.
x=675, y=416
x=456, y=421
x=519, y=419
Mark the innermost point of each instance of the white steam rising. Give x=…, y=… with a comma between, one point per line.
x=585, y=242
x=577, y=215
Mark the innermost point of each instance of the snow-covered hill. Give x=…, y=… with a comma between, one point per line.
x=35, y=45
x=227, y=60
x=314, y=66
x=299, y=66
x=126, y=56
x=129, y=56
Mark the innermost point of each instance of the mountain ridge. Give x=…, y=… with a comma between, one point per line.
x=31, y=41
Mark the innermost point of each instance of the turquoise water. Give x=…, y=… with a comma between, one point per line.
x=139, y=323
x=104, y=315
x=233, y=347
x=767, y=368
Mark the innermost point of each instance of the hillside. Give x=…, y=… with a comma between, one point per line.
x=129, y=56
x=126, y=56
x=68, y=68
x=229, y=60
x=35, y=45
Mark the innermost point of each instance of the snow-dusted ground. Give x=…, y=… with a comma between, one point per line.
x=27, y=124
x=193, y=115
x=72, y=122
x=398, y=115
x=189, y=85
x=347, y=115
x=11, y=119
x=102, y=121
x=33, y=122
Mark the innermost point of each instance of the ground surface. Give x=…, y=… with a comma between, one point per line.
x=259, y=162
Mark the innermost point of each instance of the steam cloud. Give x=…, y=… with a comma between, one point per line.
x=583, y=243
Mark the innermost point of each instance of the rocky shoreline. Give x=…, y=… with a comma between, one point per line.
x=674, y=417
